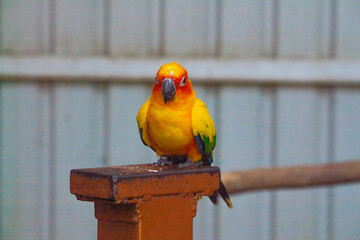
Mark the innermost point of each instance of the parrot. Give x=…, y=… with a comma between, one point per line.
x=177, y=125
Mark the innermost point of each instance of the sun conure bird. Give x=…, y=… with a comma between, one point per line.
x=177, y=125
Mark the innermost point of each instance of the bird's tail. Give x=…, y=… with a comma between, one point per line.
x=224, y=195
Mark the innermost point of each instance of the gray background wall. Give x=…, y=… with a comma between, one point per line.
x=52, y=123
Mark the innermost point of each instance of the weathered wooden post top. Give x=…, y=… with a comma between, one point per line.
x=144, y=201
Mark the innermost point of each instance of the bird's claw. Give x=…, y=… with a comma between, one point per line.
x=189, y=163
x=162, y=162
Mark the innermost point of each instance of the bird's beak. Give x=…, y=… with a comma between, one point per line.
x=168, y=89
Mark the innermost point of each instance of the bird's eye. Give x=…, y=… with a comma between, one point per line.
x=156, y=80
x=183, y=81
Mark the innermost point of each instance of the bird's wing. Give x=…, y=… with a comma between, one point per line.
x=142, y=123
x=204, y=130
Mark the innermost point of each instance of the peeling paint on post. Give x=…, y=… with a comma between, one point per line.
x=144, y=201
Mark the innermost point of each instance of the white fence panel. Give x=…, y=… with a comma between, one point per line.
x=244, y=120
x=24, y=149
x=304, y=28
x=348, y=33
x=346, y=207
x=79, y=27
x=205, y=219
x=299, y=140
x=134, y=28
x=126, y=146
x=78, y=116
x=24, y=27
x=246, y=28
x=188, y=27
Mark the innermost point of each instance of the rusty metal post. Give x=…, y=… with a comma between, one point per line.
x=142, y=202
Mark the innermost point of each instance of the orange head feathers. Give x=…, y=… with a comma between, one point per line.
x=172, y=81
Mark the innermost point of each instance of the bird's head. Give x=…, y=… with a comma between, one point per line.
x=172, y=80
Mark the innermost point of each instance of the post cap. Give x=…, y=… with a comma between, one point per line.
x=131, y=183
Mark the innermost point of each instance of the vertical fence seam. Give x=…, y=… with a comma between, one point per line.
x=1, y=151
x=330, y=158
x=52, y=26
x=217, y=119
x=161, y=51
x=275, y=29
x=273, y=159
x=106, y=27
x=106, y=125
x=218, y=27
x=52, y=163
x=1, y=28
x=333, y=28
x=40, y=121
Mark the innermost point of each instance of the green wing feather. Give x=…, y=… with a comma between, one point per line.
x=204, y=131
x=205, y=137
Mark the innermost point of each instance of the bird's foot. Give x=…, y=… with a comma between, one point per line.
x=189, y=163
x=177, y=159
x=162, y=162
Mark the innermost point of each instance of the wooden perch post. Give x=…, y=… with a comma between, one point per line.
x=142, y=201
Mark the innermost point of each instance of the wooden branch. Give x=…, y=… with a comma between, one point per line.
x=291, y=177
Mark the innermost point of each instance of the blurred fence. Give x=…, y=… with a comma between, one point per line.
x=49, y=126
x=205, y=28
